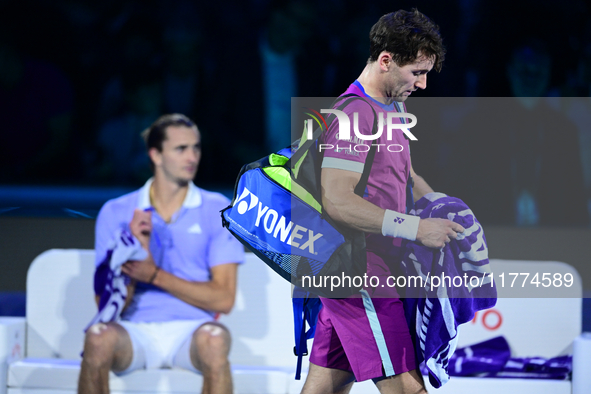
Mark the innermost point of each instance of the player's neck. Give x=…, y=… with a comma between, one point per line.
x=371, y=81
x=167, y=197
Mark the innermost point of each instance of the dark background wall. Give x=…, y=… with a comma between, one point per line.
x=24, y=238
x=81, y=79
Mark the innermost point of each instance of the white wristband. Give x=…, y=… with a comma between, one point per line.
x=399, y=225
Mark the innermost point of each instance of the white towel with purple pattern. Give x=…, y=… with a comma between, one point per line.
x=109, y=282
x=456, y=284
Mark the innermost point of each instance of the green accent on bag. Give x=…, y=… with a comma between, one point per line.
x=277, y=160
x=282, y=177
x=296, y=167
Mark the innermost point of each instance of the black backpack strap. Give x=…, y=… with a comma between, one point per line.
x=301, y=349
x=360, y=188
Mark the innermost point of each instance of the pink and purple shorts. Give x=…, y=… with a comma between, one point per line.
x=368, y=337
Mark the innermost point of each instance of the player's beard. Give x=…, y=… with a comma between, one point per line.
x=182, y=182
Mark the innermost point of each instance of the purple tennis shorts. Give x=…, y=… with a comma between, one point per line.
x=366, y=336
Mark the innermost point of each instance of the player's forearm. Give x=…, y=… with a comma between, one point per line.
x=343, y=205
x=354, y=211
x=210, y=296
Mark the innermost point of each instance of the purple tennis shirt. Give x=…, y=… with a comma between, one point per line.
x=188, y=247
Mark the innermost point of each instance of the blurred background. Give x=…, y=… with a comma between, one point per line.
x=80, y=80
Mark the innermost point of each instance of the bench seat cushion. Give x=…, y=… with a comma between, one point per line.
x=60, y=374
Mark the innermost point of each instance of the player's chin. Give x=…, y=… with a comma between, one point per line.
x=402, y=97
x=185, y=179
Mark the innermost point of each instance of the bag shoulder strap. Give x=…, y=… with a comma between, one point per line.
x=360, y=188
x=305, y=309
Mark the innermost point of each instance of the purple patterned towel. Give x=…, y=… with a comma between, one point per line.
x=457, y=284
x=109, y=282
x=489, y=356
x=558, y=368
x=492, y=359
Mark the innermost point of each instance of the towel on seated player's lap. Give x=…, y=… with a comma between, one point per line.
x=448, y=296
x=109, y=282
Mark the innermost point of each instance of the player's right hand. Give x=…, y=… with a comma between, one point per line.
x=435, y=233
x=141, y=226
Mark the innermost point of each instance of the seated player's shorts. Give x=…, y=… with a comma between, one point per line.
x=161, y=344
x=365, y=336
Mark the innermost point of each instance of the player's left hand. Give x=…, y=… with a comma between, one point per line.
x=436, y=232
x=142, y=271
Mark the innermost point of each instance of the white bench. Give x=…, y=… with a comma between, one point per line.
x=41, y=354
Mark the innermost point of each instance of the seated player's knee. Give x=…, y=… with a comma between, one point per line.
x=99, y=343
x=213, y=345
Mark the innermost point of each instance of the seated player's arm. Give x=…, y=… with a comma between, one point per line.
x=343, y=205
x=217, y=294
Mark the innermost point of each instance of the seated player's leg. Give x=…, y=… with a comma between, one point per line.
x=323, y=380
x=406, y=383
x=207, y=351
x=106, y=347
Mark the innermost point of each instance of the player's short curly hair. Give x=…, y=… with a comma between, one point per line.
x=405, y=34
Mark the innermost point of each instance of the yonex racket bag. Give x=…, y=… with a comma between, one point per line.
x=277, y=213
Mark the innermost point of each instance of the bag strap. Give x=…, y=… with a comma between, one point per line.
x=305, y=309
x=360, y=188
x=410, y=202
x=300, y=349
